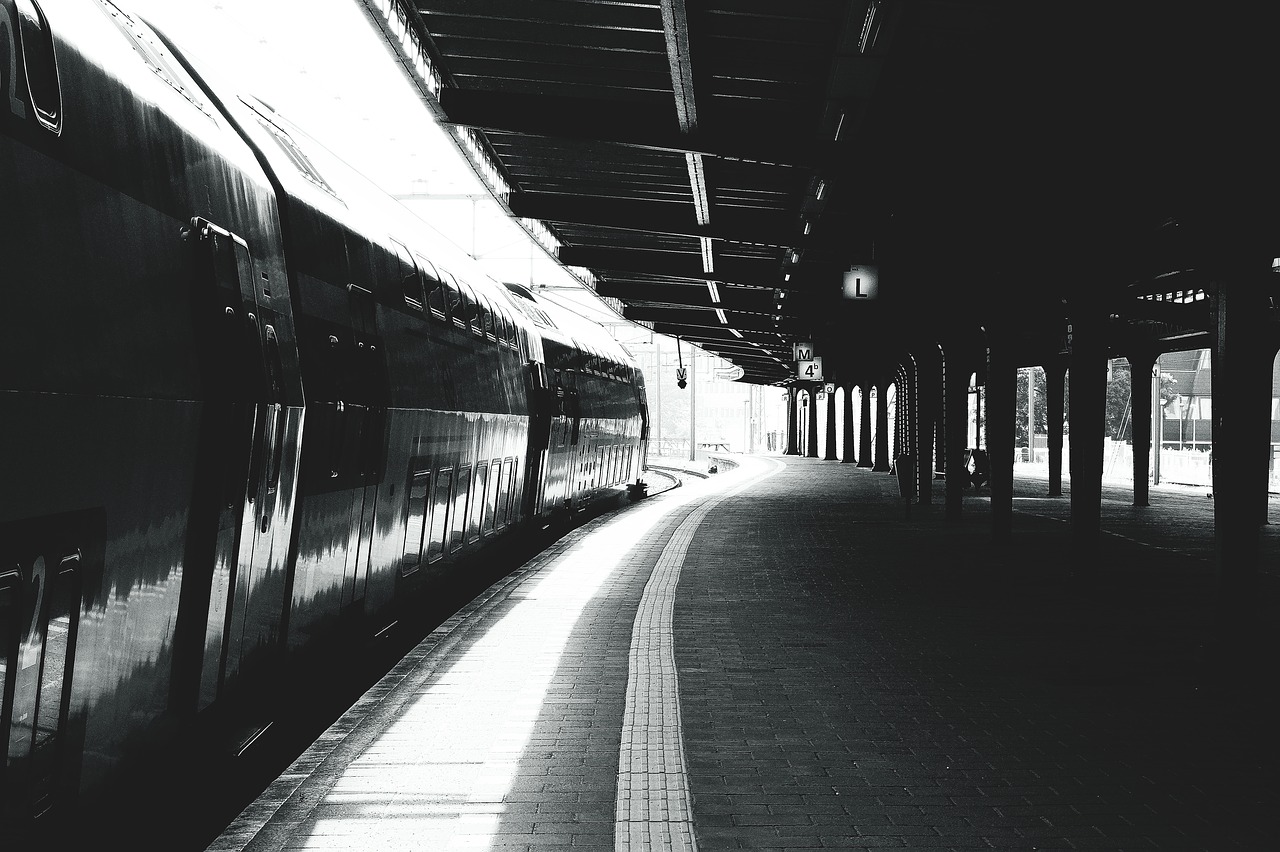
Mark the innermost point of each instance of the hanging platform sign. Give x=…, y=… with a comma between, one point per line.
x=811, y=370
x=802, y=351
x=862, y=282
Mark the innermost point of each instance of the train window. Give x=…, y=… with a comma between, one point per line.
x=52, y=704
x=41, y=65
x=491, y=496
x=483, y=319
x=488, y=320
x=494, y=327
x=508, y=330
x=476, y=515
x=460, y=496
x=300, y=161
x=499, y=324
x=410, y=283
x=153, y=52
x=43, y=642
x=9, y=585
x=439, y=513
x=467, y=317
x=508, y=486
x=436, y=300
x=452, y=296
x=419, y=485
x=27, y=669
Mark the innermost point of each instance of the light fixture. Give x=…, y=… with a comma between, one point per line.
x=698, y=185
x=808, y=226
x=714, y=289
x=795, y=255
x=708, y=258
x=404, y=38
x=839, y=126
x=1275, y=265
x=870, y=27
x=786, y=277
x=720, y=315
x=821, y=191
x=735, y=333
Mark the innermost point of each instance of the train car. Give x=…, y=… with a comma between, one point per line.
x=254, y=409
x=149, y=391
x=590, y=426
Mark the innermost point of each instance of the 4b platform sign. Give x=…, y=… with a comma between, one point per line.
x=810, y=370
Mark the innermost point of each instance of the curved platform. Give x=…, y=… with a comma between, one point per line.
x=777, y=658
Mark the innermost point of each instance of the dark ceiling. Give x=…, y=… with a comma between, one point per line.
x=999, y=163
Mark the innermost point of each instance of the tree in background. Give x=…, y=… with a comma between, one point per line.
x=1041, y=411
x=1120, y=393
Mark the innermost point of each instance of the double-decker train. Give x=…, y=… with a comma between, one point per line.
x=252, y=408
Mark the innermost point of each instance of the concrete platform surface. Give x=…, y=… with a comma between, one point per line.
x=777, y=657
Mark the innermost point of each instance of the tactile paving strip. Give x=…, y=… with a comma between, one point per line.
x=654, y=809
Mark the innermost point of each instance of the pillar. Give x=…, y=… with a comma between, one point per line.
x=939, y=420
x=811, y=444
x=882, y=429
x=830, y=454
x=1259, y=420
x=1088, y=364
x=1141, y=366
x=850, y=436
x=928, y=386
x=864, y=428
x=1239, y=309
x=1001, y=432
x=793, y=424
x=955, y=415
x=1055, y=390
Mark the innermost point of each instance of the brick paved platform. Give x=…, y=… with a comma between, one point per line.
x=798, y=665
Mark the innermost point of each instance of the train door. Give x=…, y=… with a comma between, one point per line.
x=576, y=452
x=364, y=427
x=540, y=409
x=244, y=446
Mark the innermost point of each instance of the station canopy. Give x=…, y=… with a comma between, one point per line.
x=867, y=176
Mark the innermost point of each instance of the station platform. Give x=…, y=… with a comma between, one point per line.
x=780, y=657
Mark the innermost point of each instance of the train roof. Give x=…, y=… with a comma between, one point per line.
x=307, y=172
x=558, y=322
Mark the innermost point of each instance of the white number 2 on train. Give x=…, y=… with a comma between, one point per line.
x=10, y=69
